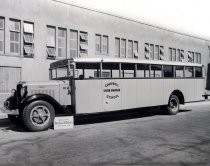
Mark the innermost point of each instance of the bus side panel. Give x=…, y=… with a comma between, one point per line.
x=143, y=92
x=129, y=93
x=199, y=90
x=168, y=89
x=88, y=96
x=180, y=84
x=190, y=90
x=156, y=94
x=112, y=94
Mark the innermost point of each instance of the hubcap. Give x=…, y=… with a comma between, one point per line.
x=173, y=104
x=40, y=116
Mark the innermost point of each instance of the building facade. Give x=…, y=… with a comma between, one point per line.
x=34, y=33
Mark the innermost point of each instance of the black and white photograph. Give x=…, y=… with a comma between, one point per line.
x=104, y=83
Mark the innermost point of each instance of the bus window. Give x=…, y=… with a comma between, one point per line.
x=168, y=71
x=60, y=73
x=156, y=71
x=127, y=70
x=179, y=71
x=110, y=70
x=142, y=70
x=87, y=70
x=198, y=71
x=188, y=72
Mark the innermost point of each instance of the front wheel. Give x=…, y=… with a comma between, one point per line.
x=173, y=106
x=38, y=116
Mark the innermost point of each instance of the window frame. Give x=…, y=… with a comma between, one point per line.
x=16, y=33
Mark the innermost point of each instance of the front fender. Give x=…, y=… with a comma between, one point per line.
x=43, y=97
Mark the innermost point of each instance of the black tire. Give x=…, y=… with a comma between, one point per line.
x=173, y=105
x=38, y=116
x=15, y=119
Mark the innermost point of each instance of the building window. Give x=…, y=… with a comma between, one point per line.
x=176, y=54
x=62, y=43
x=130, y=49
x=123, y=48
x=135, y=49
x=83, y=44
x=51, y=38
x=28, y=38
x=98, y=44
x=156, y=53
x=10, y=76
x=14, y=36
x=105, y=43
x=73, y=43
x=151, y=51
x=190, y=56
x=117, y=47
x=197, y=58
x=1, y=35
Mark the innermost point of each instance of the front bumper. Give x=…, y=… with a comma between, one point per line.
x=10, y=106
x=4, y=110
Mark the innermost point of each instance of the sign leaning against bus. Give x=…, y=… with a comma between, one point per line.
x=93, y=85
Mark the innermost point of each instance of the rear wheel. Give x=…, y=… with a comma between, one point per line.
x=38, y=116
x=173, y=106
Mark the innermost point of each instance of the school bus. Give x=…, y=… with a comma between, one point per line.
x=95, y=85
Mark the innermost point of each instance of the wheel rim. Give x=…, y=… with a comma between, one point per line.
x=40, y=116
x=173, y=104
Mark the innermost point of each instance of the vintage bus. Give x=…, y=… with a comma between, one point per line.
x=95, y=85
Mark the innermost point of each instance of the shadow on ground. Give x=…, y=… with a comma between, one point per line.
x=120, y=115
x=5, y=124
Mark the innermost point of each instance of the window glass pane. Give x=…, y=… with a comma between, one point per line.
x=113, y=68
x=168, y=71
x=28, y=27
x=142, y=70
x=156, y=56
x=91, y=70
x=156, y=71
x=73, y=43
x=105, y=45
x=188, y=72
x=1, y=23
x=178, y=56
x=123, y=48
x=15, y=25
x=170, y=54
x=117, y=47
x=198, y=71
x=179, y=71
x=173, y=54
x=130, y=49
x=135, y=46
x=61, y=43
x=128, y=70
x=151, y=51
x=1, y=40
x=51, y=36
x=98, y=44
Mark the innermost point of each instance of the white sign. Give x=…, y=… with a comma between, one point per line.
x=64, y=122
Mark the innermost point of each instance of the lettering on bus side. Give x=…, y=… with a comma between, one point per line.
x=111, y=89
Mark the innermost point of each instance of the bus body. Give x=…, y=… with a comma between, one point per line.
x=94, y=85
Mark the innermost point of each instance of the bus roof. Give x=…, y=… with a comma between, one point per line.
x=65, y=62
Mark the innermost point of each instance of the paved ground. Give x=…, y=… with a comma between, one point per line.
x=146, y=138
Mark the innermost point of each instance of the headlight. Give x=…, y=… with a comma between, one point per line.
x=23, y=91
x=13, y=91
